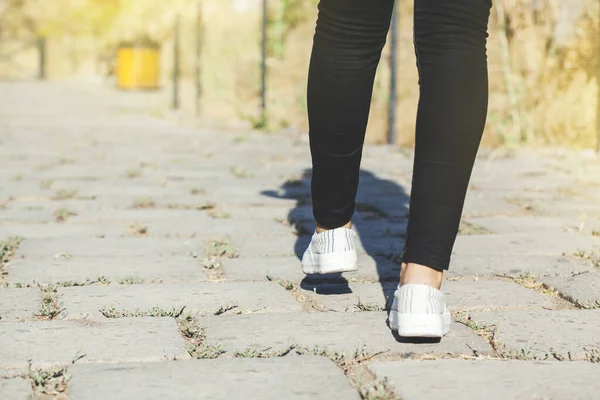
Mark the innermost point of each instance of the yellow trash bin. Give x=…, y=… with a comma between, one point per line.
x=138, y=65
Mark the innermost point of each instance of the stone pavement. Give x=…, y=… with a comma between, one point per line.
x=150, y=258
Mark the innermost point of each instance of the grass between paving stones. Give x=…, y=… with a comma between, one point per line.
x=50, y=382
x=144, y=202
x=197, y=191
x=360, y=306
x=213, y=268
x=467, y=228
x=369, y=388
x=522, y=203
x=130, y=280
x=133, y=173
x=64, y=194
x=589, y=256
x=112, y=312
x=8, y=248
x=46, y=184
x=366, y=384
x=489, y=333
x=222, y=248
x=586, y=305
x=529, y=281
x=137, y=230
x=62, y=214
x=195, y=335
x=593, y=355
x=87, y=282
x=216, y=214
x=62, y=256
x=225, y=308
x=51, y=306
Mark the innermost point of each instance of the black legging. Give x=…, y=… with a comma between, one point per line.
x=450, y=44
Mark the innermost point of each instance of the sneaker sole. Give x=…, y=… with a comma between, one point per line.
x=423, y=325
x=346, y=261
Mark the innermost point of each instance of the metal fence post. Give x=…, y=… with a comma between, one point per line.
x=393, y=77
x=176, y=63
x=42, y=58
x=263, y=65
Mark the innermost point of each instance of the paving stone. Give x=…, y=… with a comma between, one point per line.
x=205, y=298
x=178, y=269
x=289, y=268
x=514, y=265
x=110, y=248
x=525, y=223
x=19, y=303
x=118, y=340
x=62, y=231
x=217, y=227
x=15, y=389
x=460, y=295
x=289, y=245
x=567, y=333
x=213, y=379
x=582, y=288
x=485, y=204
x=525, y=244
x=335, y=331
x=493, y=380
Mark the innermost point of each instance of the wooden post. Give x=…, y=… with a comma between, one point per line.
x=393, y=77
x=176, y=63
x=199, y=38
x=263, y=65
x=598, y=96
x=42, y=58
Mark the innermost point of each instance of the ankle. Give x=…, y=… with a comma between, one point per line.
x=411, y=273
x=321, y=229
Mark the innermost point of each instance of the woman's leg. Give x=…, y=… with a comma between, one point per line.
x=347, y=47
x=450, y=44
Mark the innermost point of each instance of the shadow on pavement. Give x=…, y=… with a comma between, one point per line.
x=380, y=219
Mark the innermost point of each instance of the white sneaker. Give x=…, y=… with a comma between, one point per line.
x=331, y=252
x=419, y=311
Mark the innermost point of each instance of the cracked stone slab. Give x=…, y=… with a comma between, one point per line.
x=109, y=248
x=166, y=269
x=118, y=340
x=15, y=389
x=205, y=298
x=19, y=303
x=566, y=333
x=525, y=244
x=514, y=265
x=461, y=295
x=242, y=378
x=584, y=288
x=490, y=379
x=289, y=268
x=335, y=331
